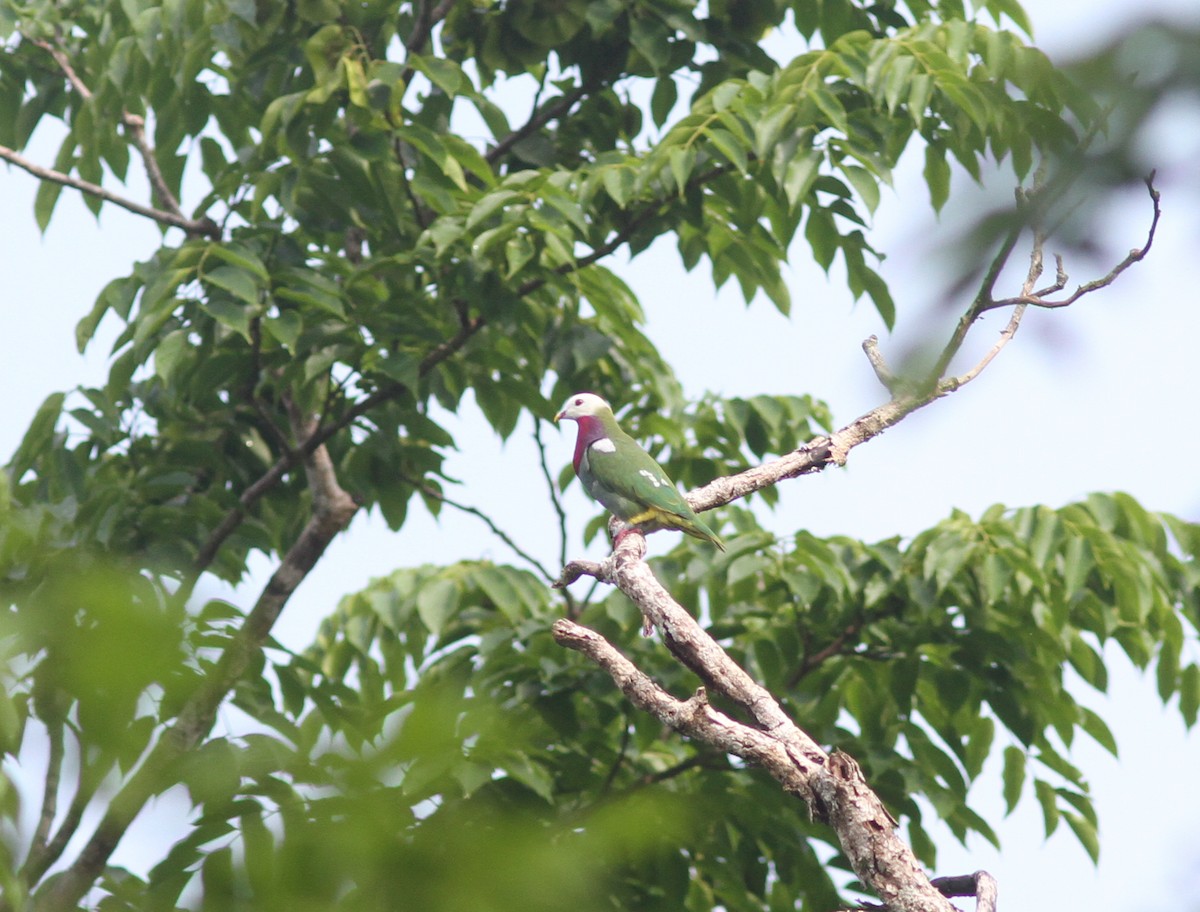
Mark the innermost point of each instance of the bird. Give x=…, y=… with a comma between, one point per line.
x=623, y=477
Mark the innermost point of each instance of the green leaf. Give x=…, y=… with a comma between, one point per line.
x=1048, y=799
x=619, y=182
x=229, y=314
x=37, y=439
x=662, y=99
x=829, y=105
x=1189, y=694
x=169, y=355
x=937, y=176
x=1098, y=729
x=1085, y=830
x=240, y=282
x=1014, y=777
x=727, y=144
x=241, y=258
x=682, y=160
x=437, y=602
x=865, y=183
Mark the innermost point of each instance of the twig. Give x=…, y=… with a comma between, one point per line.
x=37, y=865
x=647, y=213
x=878, y=364
x=552, y=488
x=551, y=112
x=426, y=20
x=54, y=763
x=809, y=662
x=430, y=491
x=1136, y=255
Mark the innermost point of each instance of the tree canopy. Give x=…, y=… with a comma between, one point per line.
x=405, y=207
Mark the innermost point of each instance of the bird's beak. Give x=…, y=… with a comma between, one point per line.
x=559, y=415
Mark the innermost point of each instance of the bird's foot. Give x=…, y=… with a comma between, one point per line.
x=628, y=530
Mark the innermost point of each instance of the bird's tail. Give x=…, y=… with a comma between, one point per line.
x=694, y=527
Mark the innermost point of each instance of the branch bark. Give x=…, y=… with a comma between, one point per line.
x=831, y=785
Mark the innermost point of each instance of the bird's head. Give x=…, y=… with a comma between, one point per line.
x=583, y=405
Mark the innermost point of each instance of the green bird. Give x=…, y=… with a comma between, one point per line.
x=623, y=477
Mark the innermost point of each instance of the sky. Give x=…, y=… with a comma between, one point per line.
x=1097, y=397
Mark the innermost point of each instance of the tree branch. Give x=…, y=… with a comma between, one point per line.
x=332, y=511
x=550, y=112
x=135, y=128
x=202, y=226
x=831, y=785
x=37, y=864
x=981, y=885
x=273, y=475
x=41, y=835
x=1136, y=255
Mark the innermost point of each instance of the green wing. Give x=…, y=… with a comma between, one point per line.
x=637, y=490
x=632, y=474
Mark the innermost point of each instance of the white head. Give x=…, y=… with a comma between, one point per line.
x=583, y=405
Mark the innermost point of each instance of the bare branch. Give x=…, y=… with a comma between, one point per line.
x=1136, y=255
x=573, y=570
x=37, y=864
x=831, y=785
x=202, y=226
x=273, y=475
x=550, y=112
x=950, y=384
x=427, y=18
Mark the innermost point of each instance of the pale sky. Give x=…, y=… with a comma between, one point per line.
x=1097, y=397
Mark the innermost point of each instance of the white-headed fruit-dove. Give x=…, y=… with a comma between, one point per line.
x=623, y=477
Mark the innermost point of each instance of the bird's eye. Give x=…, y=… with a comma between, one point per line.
x=579, y=402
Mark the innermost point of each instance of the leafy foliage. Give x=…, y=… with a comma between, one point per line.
x=399, y=207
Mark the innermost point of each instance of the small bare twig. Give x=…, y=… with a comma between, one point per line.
x=879, y=364
x=538, y=120
x=1136, y=255
x=430, y=491
x=39, y=862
